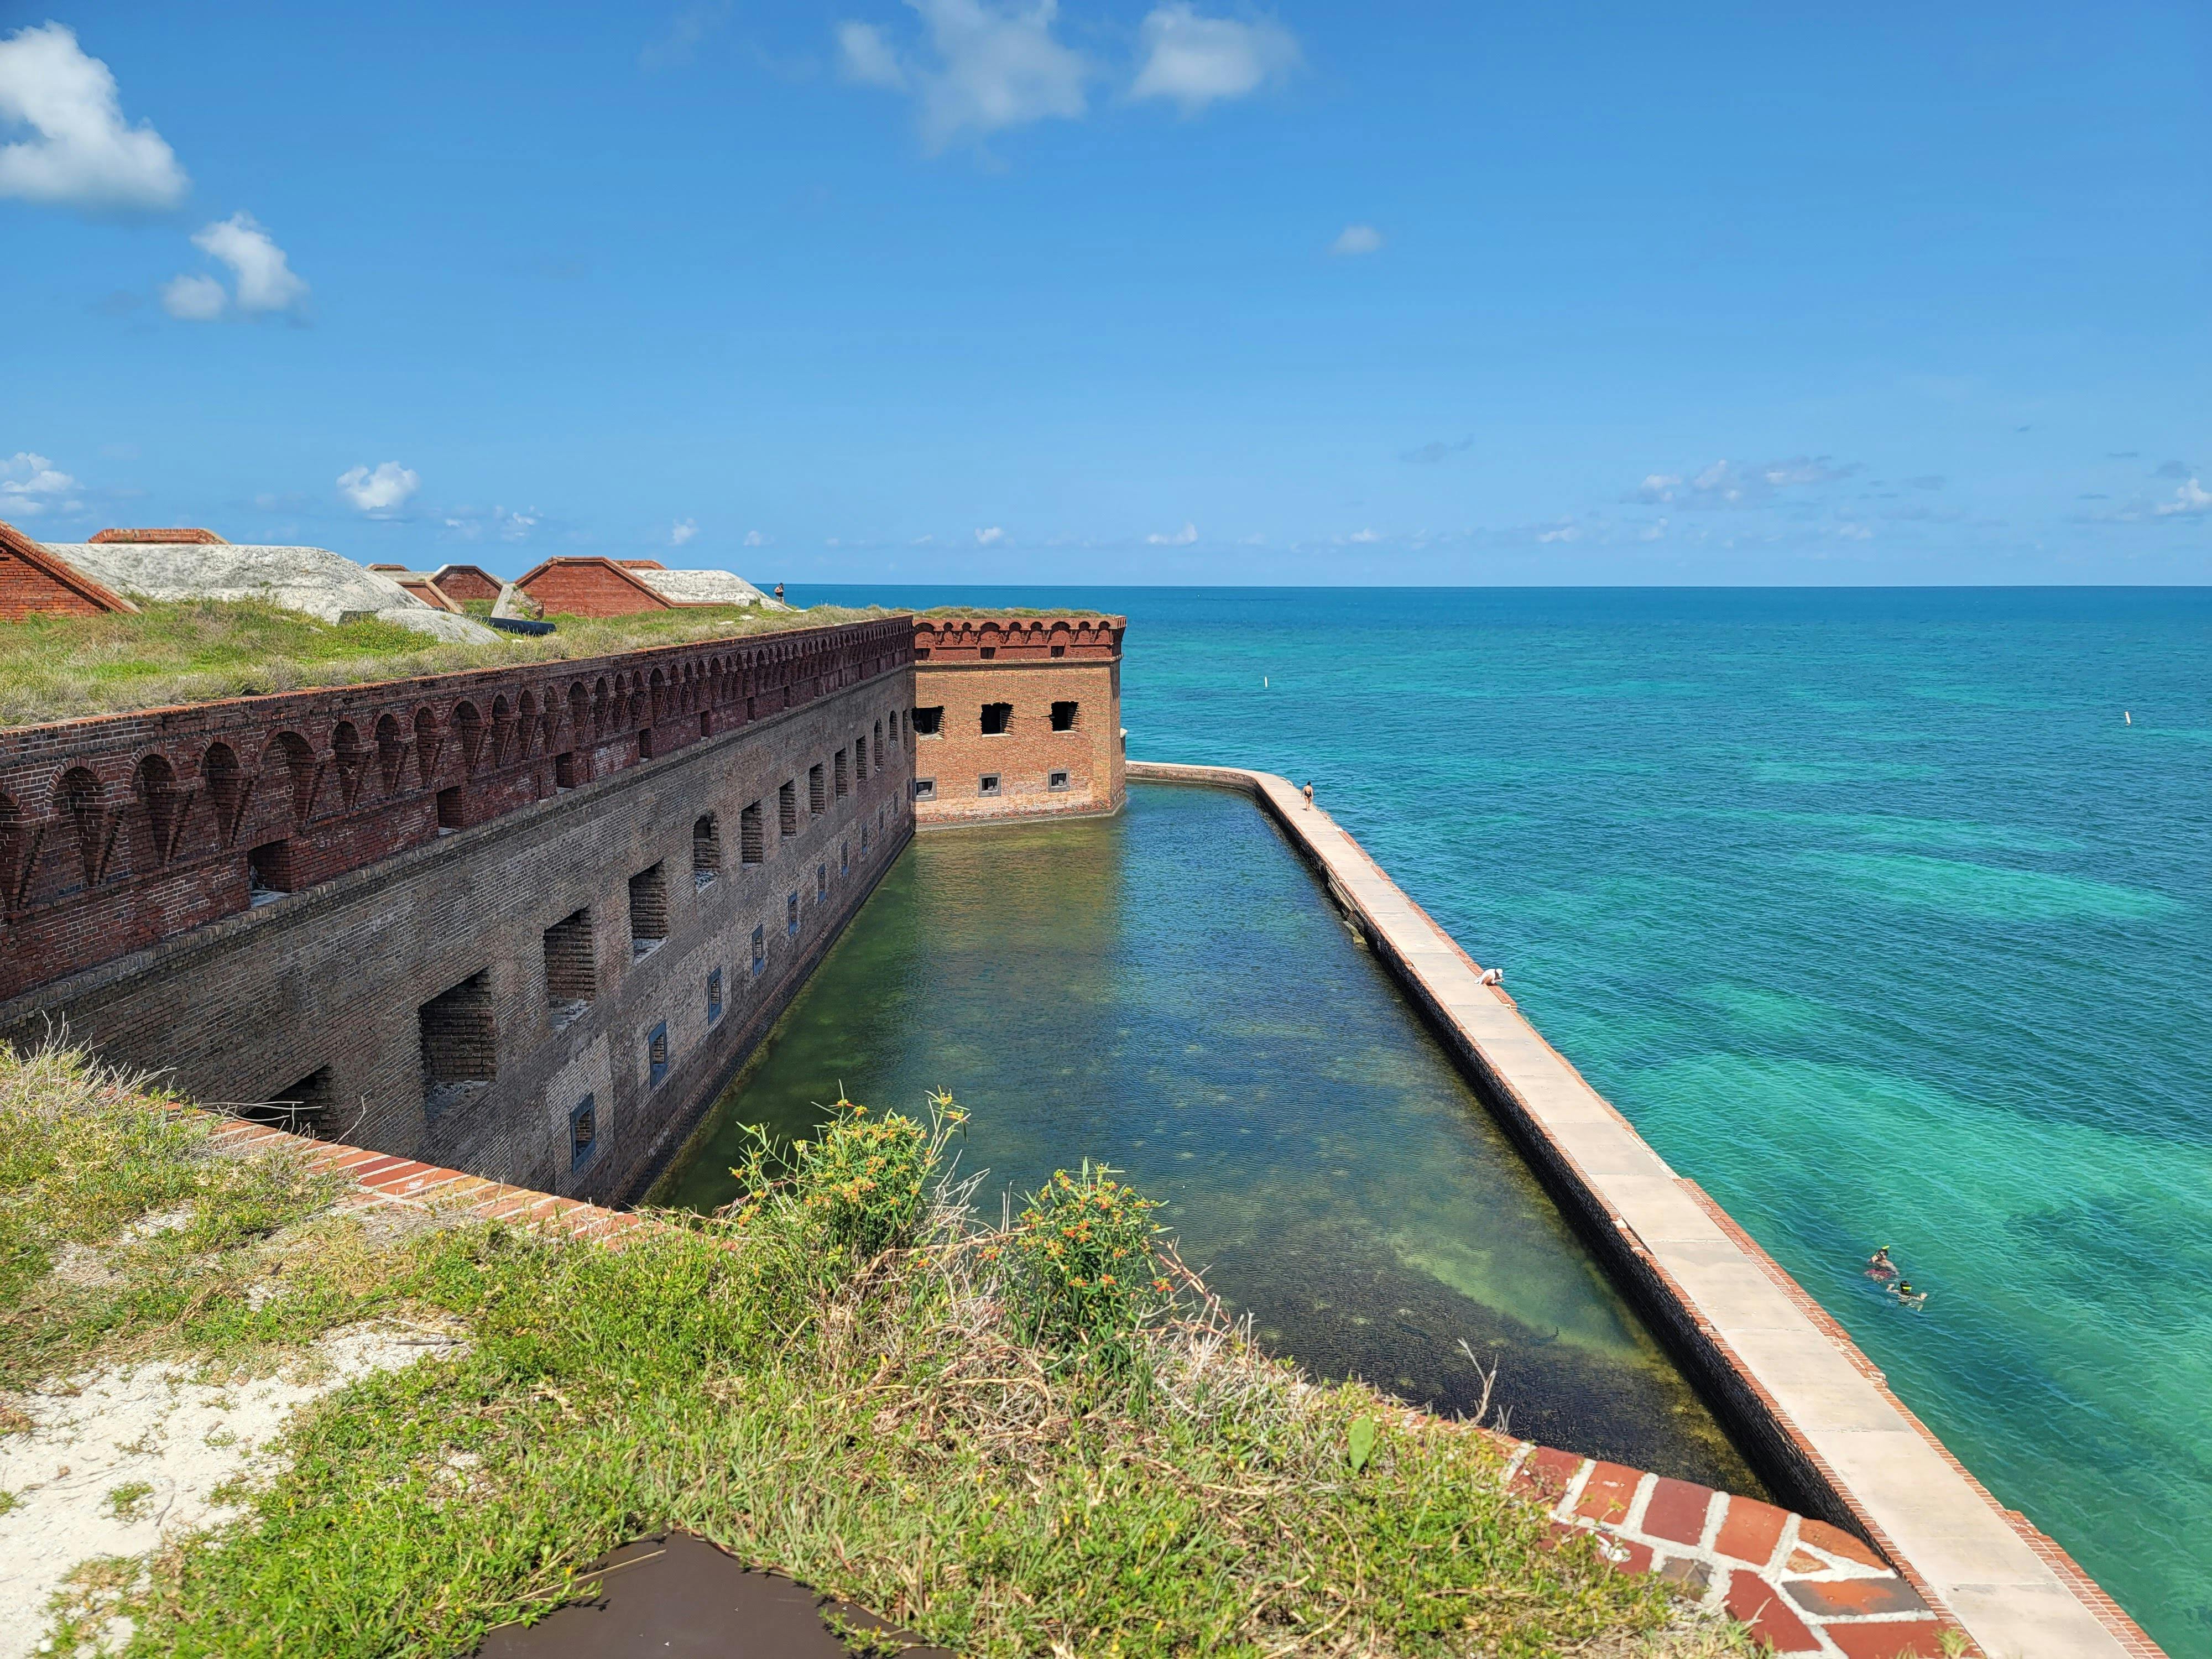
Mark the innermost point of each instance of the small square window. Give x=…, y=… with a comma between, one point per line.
x=1056, y=780
x=1064, y=715
x=988, y=784
x=760, y=948
x=583, y=1130
x=925, y=788
x=791, y=915
x=714, y=996
x=656, y=1055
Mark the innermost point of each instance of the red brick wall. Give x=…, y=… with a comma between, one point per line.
x=587, y=587
x=27, y=590
x=963, y=664
x=119, y=832
x=467, y=582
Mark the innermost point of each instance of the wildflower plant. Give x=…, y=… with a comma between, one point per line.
x=1087, y=1268
x=860, y=1186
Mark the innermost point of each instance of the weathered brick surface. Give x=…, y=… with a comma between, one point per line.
x=34, y=583
x=963, y=665
x=119, y=832
x=246, y=1005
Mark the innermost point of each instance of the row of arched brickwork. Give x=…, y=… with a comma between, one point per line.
x=954, y=639
x=118, y=831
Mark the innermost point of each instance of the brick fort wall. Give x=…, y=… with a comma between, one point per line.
x=1017, y=717
x=531, y=941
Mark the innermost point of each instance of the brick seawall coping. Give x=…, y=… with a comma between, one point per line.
x=1803, y=1586
x=1787, y=1379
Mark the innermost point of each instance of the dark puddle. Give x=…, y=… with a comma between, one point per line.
x=678, y=1597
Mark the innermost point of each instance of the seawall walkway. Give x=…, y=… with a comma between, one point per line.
x=1789, y=1383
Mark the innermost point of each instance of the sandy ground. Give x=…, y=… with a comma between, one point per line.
x=125, y=1457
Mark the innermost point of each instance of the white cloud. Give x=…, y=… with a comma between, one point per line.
x=83, y=154
x=1855, y=532
x=865, y=57
x=1182, y=537
x=2190, y=497
x=1364, y=535
x=1357, y=239
x=683, y=36
x=194, y=299
x=381, y=491
x=987, y=537
x=265, y=279
x=753, y=538
x=994, y=67
x=682, y=532
x=1561, y=532
x=1195, y=60
x=30, y=483
x=1726, y=484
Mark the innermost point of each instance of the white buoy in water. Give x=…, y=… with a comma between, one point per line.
x=2126, y=716
x=1263, y=681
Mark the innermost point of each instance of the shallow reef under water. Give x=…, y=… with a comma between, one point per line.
x=1170, y=993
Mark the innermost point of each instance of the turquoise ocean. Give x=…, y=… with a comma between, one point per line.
x=1870, y=908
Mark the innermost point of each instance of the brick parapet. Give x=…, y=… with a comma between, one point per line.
x=1018, y=639
x=122, y=830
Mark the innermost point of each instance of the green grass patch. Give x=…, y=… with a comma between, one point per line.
x=56, y=668
x=872, y=1393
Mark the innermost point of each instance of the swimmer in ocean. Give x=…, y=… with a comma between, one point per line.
x=1905, y=1294
x=1880, y=1266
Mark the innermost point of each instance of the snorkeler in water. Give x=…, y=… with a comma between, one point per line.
x=1880, y=1266
x=1905, y=1294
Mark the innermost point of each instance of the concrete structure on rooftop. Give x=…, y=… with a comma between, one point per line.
x=119, y=566
x=595, y=587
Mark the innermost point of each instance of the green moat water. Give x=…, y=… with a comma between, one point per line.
x=1168, y=991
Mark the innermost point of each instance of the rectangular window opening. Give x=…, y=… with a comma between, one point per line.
x=1063, y=716
x=925, y=788
x=451, y=815
x=648, y=911
x=300, y=1109
x=791, y=915
x=752, y=840
x=564, y=771
x=656, y=1055
x=860, y=756
x=458, y=1047
x=987, y=784
x=268, y=872
x=929, y=722
x=583, y=1130
x=998, y=719
x=760, y=948
x=706, y=849
x=571, y=971
x=714, y=996
x=817, y=792
x=1056, y=780
x=822, y=881
x=844, y=784
x=786, y=807
x=845, y=856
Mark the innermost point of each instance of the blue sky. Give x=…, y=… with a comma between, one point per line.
x=954, y=291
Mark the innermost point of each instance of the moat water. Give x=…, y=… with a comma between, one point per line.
x=1867, y=906
x=1169, y=991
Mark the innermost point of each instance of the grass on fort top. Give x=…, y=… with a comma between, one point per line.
x=988, y=1434
x=56, y=668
